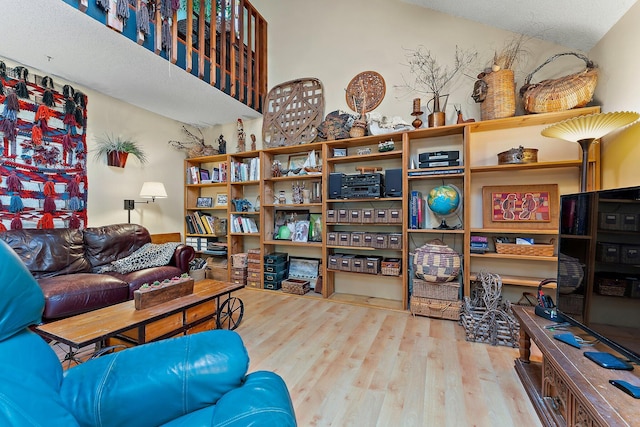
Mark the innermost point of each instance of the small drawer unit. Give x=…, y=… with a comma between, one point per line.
x=608, y=252
x=276, y=268
x=343, y=215
x=394, y=216
x=275, y=277
x=333, y=262
x=368, y=215
x=395, y=241
x=344, y=238
x=332, y=238
x=357, y=238
x=372, y=265
x=332, y=216
x=276, y=258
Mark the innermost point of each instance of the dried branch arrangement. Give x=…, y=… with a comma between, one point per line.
x=429, y=76
x=194, y=146
x=510, y=54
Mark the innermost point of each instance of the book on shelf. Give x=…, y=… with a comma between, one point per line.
x=204, y=218
x=428, y=172
x=190, y=227
x=415, y=210
x=224, y=172
x=194, y=173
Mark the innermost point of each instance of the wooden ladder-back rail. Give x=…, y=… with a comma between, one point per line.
x=228, y=50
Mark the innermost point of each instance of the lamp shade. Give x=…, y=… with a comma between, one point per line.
x=153, y=190
x=592, y=126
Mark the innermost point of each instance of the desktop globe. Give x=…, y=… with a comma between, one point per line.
x=444, y=201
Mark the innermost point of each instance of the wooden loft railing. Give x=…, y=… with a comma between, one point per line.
x=238, y=46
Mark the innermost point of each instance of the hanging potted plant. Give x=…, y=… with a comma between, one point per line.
x=117, y=150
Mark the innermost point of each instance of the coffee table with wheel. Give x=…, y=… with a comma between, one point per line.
x=210, y=306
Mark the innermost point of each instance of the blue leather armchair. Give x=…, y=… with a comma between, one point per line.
x=196, y=380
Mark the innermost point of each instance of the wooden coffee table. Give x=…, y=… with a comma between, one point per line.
x=210, y=306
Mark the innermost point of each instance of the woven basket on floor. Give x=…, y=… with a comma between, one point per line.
x=500, y=101
x=572, y=91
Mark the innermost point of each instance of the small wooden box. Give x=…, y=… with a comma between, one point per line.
x=372, y=265
x=381, y=241
x=358, y=264
x=239, y=273
x=253, y=283
x=395, y=241
x=345, y=262
x=332, y=216
x=332, y=238
x=357, y=238
x=369, y=240
x=296, y=286
x=394, y=216
x=151, y=295
x=382, y=216
x=344, y=238
x=239, y=260
x=355, y=216
x=368, y=216
x=343, y=215
x=334, y=262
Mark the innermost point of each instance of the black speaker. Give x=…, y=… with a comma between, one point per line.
x=393, y=183
x=335, y=185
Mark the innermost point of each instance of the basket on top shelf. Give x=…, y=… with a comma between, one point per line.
x=537, y=249
x=564, y=93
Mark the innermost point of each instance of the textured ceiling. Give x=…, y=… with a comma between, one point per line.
x=578, y=24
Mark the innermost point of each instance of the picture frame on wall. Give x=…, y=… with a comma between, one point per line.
x=204, y=202
x=532, y=207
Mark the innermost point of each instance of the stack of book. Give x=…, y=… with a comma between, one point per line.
x=479, y=244
x=416, y=211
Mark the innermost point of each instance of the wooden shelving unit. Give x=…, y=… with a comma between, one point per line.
x=478, y=143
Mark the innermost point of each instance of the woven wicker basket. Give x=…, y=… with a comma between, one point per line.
x=436, y=262
x=500, y=101
x=572, y=91
x=528, y=250
x=436, y=308
x=447, y=291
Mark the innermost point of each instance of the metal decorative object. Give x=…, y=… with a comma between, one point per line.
x=586, y=129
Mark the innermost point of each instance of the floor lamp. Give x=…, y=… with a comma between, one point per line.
x=586, y=129
x=150, y=190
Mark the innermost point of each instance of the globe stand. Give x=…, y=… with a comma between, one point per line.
x=444, y=226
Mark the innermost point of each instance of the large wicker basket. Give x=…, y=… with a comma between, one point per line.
x=572, y=91
x=500, y=100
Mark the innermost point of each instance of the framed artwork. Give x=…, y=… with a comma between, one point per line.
x=301, y=231
x=296, y=161
x=315, y=227
x=521, y=206
x=204, y=202
x=204, y=175
x=221, y=199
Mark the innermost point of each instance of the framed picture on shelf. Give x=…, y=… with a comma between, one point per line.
x=221, y=199
x=284, y=224
x=520, y=206
x=301, y=231
x=204, y=202
x=315, y=227
x=296, y=161
x=205, y=177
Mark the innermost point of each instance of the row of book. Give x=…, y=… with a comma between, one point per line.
x=247, y=170
x=243, y=224
x=198, y=175
x=200, y=223
x=416, y=210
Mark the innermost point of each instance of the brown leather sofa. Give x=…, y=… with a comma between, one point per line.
x=65, y=261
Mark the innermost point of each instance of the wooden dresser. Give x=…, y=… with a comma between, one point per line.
x=566, y=388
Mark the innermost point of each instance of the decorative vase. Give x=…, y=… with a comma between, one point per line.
x=117, y=158
x=358, y=129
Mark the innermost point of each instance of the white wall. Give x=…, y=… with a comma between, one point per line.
x=619, y=90
x=334, y=40
x=108, y=186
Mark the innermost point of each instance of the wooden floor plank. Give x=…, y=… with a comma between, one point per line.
x=351, y=365
x=374, y=367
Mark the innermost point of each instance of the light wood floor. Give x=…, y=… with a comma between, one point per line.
x=348, y=365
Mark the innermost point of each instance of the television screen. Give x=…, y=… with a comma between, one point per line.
x=599, y=266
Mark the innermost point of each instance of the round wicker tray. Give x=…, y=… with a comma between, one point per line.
x=367, y=86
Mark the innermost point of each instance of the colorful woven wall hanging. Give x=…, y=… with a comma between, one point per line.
x=43, y=181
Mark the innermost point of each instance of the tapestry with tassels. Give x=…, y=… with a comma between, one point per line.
x=43, y=181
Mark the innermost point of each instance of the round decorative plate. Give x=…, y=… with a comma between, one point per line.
x=367, y=87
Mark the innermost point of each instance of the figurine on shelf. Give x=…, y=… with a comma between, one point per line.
x=297, y=193
x=276, y=171
x=417, y=113
x=241, y=136
x=281, y=199
x=253, y=142
x=222, y=145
